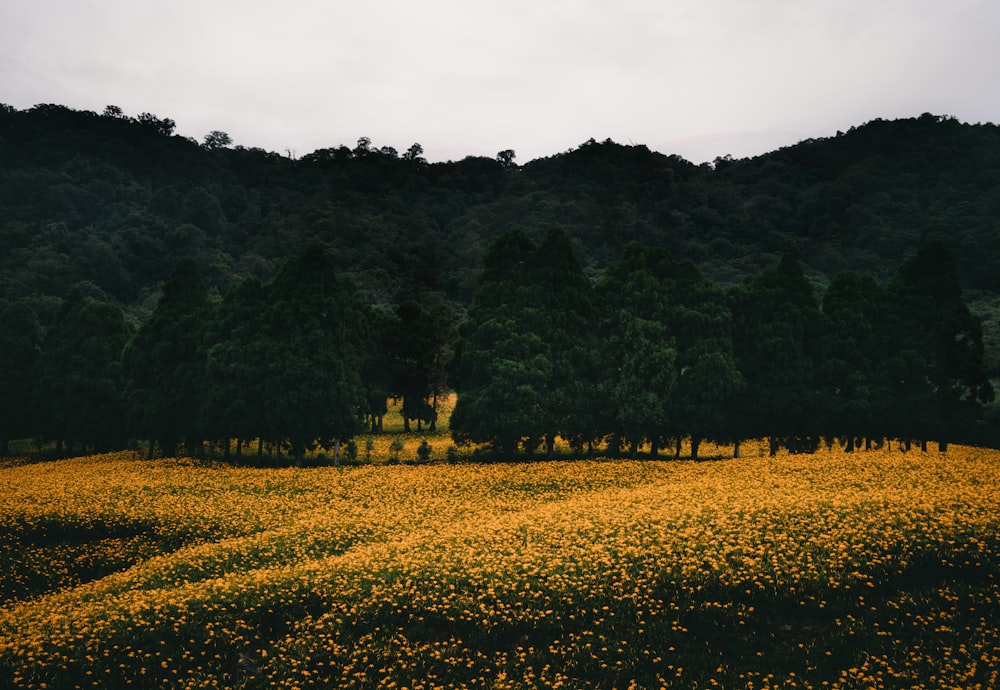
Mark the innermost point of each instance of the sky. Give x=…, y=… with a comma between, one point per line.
x=696, y=78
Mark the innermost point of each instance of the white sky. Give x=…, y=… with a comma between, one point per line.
x=699, y=78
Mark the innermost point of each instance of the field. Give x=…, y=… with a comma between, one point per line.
x=834, y=570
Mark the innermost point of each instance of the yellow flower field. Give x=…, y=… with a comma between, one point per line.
x=833, y=570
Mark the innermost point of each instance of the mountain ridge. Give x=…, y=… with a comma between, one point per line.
x=115, y=201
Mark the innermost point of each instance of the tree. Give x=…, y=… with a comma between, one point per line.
x=416, y=343
x=165, y=363
x=235, y=406
x=775, y=335
x=640, y=379
x=79, y=395
x=415, y=154
x=376, y=367
x=363, y=147
x=412, y=350
x=852, y=371
x=500, y=367
x=706, y=390
x=528, y=338
x=500, y=395
x=217, y=140
x=164, y=127
x=638, y=354
x=20, y=344
x=937, y=355
x=312, y=337
x=506, y=158
x=704, y=404
x=562, y=311
x=668, y=359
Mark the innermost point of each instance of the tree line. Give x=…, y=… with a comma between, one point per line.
x=654, y=353
x=113, y=201
x=648, y=355
x=297, y=363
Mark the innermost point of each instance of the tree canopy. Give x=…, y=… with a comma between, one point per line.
x=835, y=287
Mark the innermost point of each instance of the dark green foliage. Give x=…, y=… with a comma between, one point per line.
x=705, y=402
x=116, y=200
x=424, y=451
x=165, y=363
x=312, y=334
x=656, y=352
x=853, y=370
x=235, y=405
x=667, y=352
x=414, y=345
x=524, y=363
x=776, y=322
x=638, y=356
x=20, y=344
x=79, y=394
x=563, y=314
x=938, y=351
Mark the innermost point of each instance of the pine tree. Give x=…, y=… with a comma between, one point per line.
x=312, y=339
x=79, y=396
x=165, y=364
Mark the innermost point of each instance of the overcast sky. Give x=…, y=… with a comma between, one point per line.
x=699, y=78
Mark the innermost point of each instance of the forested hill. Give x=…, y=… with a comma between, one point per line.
x=115, y=200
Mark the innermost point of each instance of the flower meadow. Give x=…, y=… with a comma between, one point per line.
x=833, y=570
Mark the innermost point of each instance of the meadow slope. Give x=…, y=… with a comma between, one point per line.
x=872, y=569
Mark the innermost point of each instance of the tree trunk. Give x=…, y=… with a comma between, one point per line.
x=942, y=446
x=695, y=442
x=336, y=453
x=677, y=448
x=849, y=445
x=736, y=450
x=923, y=445
x=773, y=446
x=550, y=445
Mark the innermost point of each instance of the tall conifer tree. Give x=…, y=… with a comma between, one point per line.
x=313, y=333
x=165, y=363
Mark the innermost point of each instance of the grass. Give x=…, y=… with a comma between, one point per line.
x=873, y=569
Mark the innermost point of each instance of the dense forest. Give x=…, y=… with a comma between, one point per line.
x=843, y=287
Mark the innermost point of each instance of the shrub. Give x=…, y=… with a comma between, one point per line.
x=424, y=451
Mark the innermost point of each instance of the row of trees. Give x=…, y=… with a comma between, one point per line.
x=297, y=362
x=651, y=354
x=654, y=353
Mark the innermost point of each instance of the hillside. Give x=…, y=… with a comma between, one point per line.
x=114, y=201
